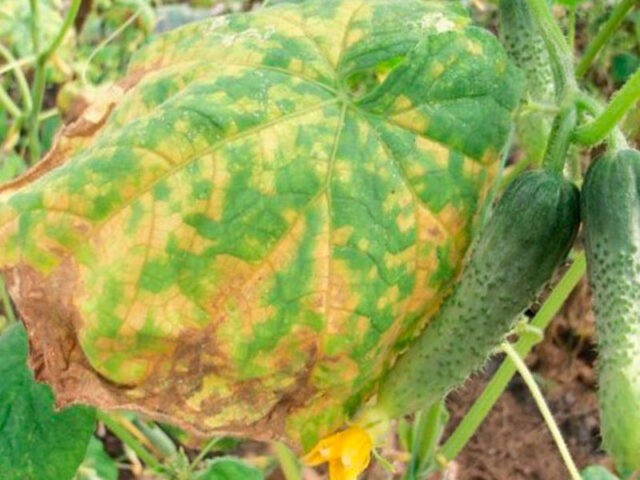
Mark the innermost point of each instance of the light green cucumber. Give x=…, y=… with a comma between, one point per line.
x=611, y=214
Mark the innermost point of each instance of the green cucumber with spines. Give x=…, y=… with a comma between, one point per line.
x=611, y=215
x=528, y=235
x=524, y=44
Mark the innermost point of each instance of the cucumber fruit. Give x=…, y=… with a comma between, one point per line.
x=611, y=215
x=526, y=238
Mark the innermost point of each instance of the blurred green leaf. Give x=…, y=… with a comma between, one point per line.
x=569, y=3
x=229, y=468
x=11, y=165
x=36, y=442
x=174, y=16
x=622, y=66
x=49, y=128
x=97, y=465
x=597, y=472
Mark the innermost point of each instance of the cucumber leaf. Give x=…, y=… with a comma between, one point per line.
x=36, y=442
x=245, y=232
x=229, y=468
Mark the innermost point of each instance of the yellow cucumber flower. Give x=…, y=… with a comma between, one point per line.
x=348, y=452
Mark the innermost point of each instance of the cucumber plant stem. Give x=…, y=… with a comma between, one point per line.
x=128, y=439
x=560, y=139
x=203, y=453
x=605, y=32
x=23, y=85
x=481, y=407
x=288, y=462
x=559, y=51
x=8, y=104
x=16, y=64
x=571, y=27
x=526, y=375
x=623, y=100
x=39, y=79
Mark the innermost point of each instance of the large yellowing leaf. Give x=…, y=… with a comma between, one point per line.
x=247, y=232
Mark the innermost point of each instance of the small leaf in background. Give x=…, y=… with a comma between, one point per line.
x=97, y=465
x=597, y=472
x=11, y=165
x=174, y=16
x=622, y=67
x=49, y=127
x=229, y=469
x=36, y=443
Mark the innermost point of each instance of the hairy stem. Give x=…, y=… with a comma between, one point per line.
x=560, y=53
x=483, y=405
x=623, y=100
x=605, y=32
x=526, y=375
x=560, y=139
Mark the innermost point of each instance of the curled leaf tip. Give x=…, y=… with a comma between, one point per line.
x=348, y=453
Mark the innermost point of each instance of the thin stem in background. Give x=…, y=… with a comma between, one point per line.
x=571, y=27
x=37, y=91
x=288, y=462
x=17, y=64
x=605, y=32
x=39, y=78
x=66, y=25
x=525, y=373
x=23, y=85
x=623, y=100
x=8, y=104
x=203, y=453
x=128, y=439
x=6, y=302
x=483, y=404
x=105, y=42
